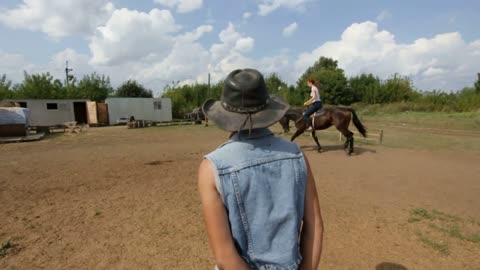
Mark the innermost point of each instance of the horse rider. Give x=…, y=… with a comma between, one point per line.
x=313, y=104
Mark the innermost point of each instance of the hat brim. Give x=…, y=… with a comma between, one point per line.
x=232, y=121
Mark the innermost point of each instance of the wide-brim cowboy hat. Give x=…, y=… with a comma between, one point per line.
x=245, y=103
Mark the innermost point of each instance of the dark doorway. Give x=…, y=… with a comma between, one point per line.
x=80, y=111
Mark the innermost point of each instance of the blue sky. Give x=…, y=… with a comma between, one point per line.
x=436, y=43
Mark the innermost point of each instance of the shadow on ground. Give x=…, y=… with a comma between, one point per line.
x=327, y=148
x=390, y=266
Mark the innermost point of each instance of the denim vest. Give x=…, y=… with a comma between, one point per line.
x=261, y=180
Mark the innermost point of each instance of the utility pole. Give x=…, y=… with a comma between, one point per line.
x=66, y=73
x=208, y=89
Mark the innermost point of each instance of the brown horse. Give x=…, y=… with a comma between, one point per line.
x=329, y=116
x=290, y=115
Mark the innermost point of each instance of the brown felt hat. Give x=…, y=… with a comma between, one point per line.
x=245, y=103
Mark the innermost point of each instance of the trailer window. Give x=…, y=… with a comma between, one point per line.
x=22, y=104
x=157, y=105
x=52, y=106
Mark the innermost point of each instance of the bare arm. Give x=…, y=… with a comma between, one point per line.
x=312, y=231
x=216, y=221
x=312, y=99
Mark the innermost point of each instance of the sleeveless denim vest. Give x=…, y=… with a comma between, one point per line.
x=261, y=180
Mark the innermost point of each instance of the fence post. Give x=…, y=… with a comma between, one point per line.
x=380, y=137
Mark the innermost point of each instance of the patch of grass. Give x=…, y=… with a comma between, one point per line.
x=414, y=219
x=475, y=238
x=466, y=120
x=426, y=130
x=421, y=213
x=443, y=248
x=444, y=216
x=449, y=226
x=455, y=232
x=418, y=214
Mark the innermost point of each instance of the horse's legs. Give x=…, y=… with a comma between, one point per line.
x=348, y=145
x=301, y=127
x=345, y=145
x=319, y=147
x=297, y=133
x=350, y=148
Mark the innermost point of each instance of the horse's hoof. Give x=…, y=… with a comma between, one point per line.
x=320, y=150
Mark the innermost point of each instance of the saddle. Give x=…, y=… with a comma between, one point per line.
x=320, y=112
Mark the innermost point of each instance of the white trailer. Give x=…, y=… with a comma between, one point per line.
x=150, y=109
x=53, y=112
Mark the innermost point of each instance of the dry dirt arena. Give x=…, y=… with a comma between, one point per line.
x=113, y=198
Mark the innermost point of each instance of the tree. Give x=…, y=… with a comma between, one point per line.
x=188, y=97
x=39, y=86
x=331, y=81
x=366, y=88
x=132, y=88
x=277, y=86
x=5, y=87
x=477, y=84
x=397, y=88
x=94, y=87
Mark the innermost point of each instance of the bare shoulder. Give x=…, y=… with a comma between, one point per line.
x=206, y=179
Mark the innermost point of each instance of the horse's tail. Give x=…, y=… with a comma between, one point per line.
x=361, y=128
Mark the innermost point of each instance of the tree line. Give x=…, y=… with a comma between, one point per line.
x=335, y=87
x=93, y=86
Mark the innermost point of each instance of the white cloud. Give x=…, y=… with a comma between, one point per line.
x=244, y=44
x=183, y=6
x=231, y=41
x=290, y=29
x=445, y=61
x=58, y=18
x=384, y=14
x=13, y=66
x=185, y=61
x=124, y=48
x=153, y=49
x=268, y=6
x=228, y=56
x=247, y=15
x=131, y=36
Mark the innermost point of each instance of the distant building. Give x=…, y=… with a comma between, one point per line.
x=150, y=109
x=52, y=112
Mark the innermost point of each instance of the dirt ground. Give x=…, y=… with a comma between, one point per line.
x=113, y=198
